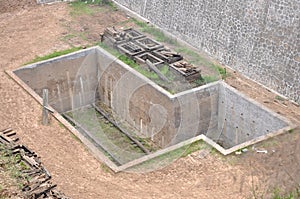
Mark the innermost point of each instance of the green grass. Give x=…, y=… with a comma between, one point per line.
x=13, y=165
x=54, y=54
x=155, y=32
x=80, y=8
x=103, y=130
x=279, y=98
x=292, y=195
x=83, y=7
x=130, y=62
x=165, y=159
x=165, y=70
x=209, y=79
x=195, y=58
x=222, y=72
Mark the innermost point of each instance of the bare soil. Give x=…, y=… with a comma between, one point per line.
x=28, y=30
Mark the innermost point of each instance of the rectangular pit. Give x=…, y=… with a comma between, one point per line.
x=148, y=44
x=130, y=49
x=133, y=34
x=215, y=113
x=143, y=57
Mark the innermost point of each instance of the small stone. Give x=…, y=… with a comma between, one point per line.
x=262, y=151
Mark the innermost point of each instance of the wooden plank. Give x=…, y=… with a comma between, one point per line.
x=154, y=69
x=45, y=104
x=6, y=130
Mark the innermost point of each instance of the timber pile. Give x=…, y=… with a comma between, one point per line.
x=168, y=55
x=135, y=45
x=38, y=183
x=186, y=68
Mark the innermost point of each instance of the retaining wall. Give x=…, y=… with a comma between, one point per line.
x=260, y=39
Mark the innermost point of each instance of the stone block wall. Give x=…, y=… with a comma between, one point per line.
x=260, y=39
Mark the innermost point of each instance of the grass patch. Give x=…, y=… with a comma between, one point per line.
x=222, y=72
x=292, y=195
x=167, y=158
x=80, y=8
x=164, y=70
x=155, y=32
x=105, y=168
x=279, y=98
x=209, y=79
x=12, y=164
x=194, y=57
x=116, y=143
x=130, y=62
x=137, y=67
x=54, y=54
x=85, y=7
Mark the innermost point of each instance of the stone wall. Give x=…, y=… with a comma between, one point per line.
x=260, y=39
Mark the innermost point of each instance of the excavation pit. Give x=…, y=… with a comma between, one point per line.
x=215, y=113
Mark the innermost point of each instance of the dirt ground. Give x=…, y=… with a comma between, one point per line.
x=28, y=30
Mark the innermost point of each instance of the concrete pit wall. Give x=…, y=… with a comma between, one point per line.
x=260, y=39
x=155, y=113
x=215, y=110
x=71, y=80
x=241, y=119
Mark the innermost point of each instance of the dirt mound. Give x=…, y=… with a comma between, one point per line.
x=12, y=5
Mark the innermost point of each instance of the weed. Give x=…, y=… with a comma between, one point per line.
x=195, y=146
x=130, y=62
x=172, y=155
x=61, y=125
x=54, y=54
x=68, y=37
x=82, y=7
x=291, y=130
x=208, y=79
x=292, y=195
x=279, y=98
x=13, y=165
x=110, y=50
x=222, y=72
x=105, y=168
x=164, y=70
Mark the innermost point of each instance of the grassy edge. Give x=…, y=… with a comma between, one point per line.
x=54, y=54
x=197, y=59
